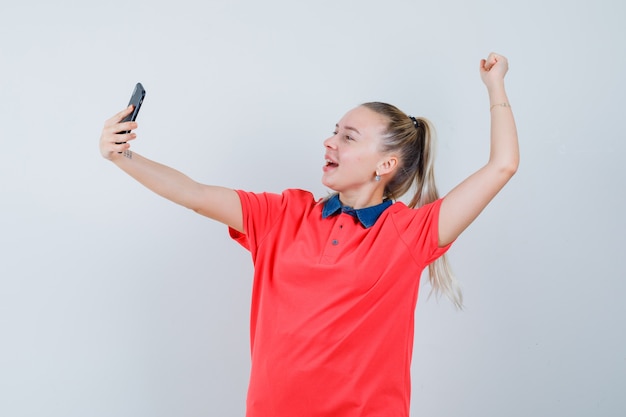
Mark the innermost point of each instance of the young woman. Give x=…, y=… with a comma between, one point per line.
x=336, y=280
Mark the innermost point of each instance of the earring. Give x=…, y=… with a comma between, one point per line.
x=377, y=177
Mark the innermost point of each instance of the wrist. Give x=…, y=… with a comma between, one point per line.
x=497, y=96
x=496, y=89
x=504, y=104
x=117, y=157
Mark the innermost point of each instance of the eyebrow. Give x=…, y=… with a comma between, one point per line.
x=349, y=128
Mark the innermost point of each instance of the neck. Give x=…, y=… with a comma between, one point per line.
x=361, y=200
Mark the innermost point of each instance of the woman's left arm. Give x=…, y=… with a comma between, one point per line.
x=465, y=202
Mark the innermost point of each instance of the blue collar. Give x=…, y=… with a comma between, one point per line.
x=367, y=216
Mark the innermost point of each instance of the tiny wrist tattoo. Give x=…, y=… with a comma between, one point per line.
x=128, y=154
x=499, y=105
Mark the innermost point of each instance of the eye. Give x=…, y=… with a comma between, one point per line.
x=346, y=138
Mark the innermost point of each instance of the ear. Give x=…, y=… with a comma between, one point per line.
x=388, y=165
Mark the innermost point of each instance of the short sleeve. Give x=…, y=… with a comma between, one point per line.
x=419, y=229
x=262, y=211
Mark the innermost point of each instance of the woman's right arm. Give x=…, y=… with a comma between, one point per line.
x=218, y=203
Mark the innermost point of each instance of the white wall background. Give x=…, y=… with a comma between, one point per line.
x=115, y=302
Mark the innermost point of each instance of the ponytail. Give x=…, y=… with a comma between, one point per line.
x=440, y=273
x=413, y=139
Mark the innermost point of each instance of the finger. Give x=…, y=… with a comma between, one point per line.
x=123, y=138
x=121, y=147
x=501, y=62
x=498, y=59
x=121, y=144
x=120, y=128
x=491, y=60
x=125, y=127
x=119, y=116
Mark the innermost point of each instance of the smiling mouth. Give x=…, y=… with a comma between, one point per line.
x=331, y=164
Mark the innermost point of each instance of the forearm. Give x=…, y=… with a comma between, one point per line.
x=504, y=154
x=218, y=203
x=465, y=202
x=161, y=179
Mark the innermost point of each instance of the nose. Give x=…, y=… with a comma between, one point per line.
x=330, y=142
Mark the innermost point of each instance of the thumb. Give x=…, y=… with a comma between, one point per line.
x=483, y=62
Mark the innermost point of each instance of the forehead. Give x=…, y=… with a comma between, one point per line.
x=364, y=120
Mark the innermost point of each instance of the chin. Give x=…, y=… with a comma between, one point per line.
x=327, y=184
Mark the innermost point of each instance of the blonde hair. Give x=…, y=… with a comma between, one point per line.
x=413, y=140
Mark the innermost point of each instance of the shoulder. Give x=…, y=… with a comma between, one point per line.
x=290, y=197
x=400, y=212
x=298, y=194
x=297, y=197
x=418, y=228
x=400, y=207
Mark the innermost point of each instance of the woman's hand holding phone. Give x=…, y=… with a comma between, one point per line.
x=117, y=130
x=116, y=134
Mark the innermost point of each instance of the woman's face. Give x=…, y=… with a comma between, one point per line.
x=353, y=151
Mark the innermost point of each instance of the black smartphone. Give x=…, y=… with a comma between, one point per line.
x=139, y=93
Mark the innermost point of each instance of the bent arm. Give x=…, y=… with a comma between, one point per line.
x=468, y=199
x=218, y=203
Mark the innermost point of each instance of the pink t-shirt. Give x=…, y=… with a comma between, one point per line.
x=332, y=305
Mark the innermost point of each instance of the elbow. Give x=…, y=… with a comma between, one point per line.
x=503, y=170
x=507, y=172
x=511, y=168
x=507, y=167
